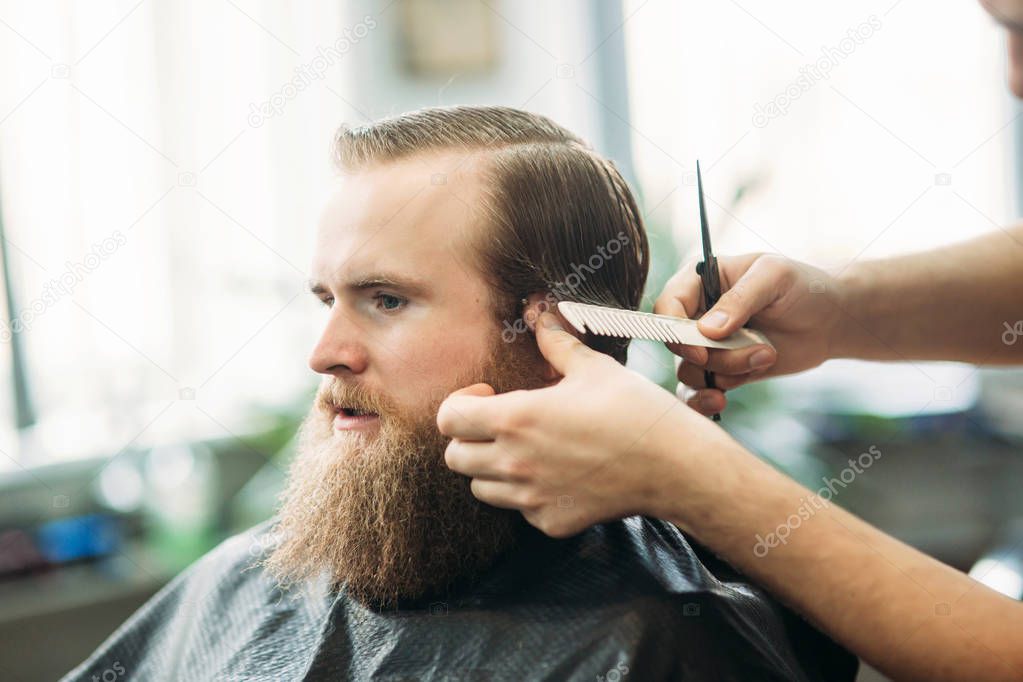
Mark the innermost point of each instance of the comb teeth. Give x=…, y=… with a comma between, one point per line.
x=656, y=331
x=623, y=324
x=639, y=325
x=629, y=325
x=612, y=324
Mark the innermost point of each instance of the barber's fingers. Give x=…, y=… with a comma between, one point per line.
x=756, y=358
x=480, y=390
x=766, y=280
x=470, y=413
x=484, y=460
x=681, y=294
x=681, y=298
x=707, y=401
x=564, y=352
x=692, y=376
x=502, y=494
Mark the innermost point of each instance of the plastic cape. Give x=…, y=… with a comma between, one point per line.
x=627, y=600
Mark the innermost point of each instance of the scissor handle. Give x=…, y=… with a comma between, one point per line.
x=710, y=277
x=711, y=280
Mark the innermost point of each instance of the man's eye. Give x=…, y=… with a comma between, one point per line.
x=329, y=302
x=389, y=302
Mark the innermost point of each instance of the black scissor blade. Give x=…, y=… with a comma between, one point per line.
x=708, y=254
x=708, y=269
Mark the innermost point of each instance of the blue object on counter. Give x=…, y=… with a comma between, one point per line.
x=79, y=537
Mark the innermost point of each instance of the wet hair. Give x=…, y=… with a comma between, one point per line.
x=563, y=221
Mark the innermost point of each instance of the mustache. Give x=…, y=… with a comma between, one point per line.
x=336, y=394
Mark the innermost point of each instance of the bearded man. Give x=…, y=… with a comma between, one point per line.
x=448, y=231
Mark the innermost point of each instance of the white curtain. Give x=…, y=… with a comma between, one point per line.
x=877, y=101
x=162, y=165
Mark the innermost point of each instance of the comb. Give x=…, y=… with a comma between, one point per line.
x=633, y=324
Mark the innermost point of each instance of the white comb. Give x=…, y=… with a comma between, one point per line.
x=633, y=324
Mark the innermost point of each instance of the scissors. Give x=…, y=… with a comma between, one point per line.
x=707, y=269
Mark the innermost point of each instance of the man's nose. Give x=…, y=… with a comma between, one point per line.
x=339, y=349
x=1015, y=45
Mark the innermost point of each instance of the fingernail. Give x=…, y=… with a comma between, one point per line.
x=762, y=358
x=551, y=322
x=715, y=319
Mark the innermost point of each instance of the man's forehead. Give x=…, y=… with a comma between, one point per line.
x=400, y=220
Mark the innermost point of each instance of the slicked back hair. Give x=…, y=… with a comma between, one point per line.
x=563, y=221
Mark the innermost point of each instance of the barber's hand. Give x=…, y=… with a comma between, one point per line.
x=794, y=304
x=598, y=445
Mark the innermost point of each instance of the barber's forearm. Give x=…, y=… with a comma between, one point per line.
x=902, y=611
x=951, y=303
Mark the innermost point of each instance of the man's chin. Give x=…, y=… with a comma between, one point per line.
x=381, y=513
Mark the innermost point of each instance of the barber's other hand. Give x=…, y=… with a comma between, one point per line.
x=794, y=304
x=597, y=445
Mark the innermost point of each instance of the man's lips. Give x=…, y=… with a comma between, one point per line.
x=346, y=419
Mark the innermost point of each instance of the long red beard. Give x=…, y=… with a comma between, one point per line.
x=383, y=515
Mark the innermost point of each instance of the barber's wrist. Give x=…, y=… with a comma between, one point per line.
x=852, y=294
x=723, y=495
x=694, y=469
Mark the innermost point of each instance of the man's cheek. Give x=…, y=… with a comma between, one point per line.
x=414, y=403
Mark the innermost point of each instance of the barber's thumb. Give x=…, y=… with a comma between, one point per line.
x=721, y=320
x=480, y=390
x=559, y=347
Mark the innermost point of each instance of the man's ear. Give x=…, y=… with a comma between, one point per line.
x=543, y=302
x=536, y=304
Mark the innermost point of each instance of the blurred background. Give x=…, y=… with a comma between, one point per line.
x=162, y=166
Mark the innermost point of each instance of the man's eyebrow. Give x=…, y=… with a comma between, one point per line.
x=316, y=288
x=372, y=280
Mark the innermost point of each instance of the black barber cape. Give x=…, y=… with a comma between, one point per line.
x=629, y=600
